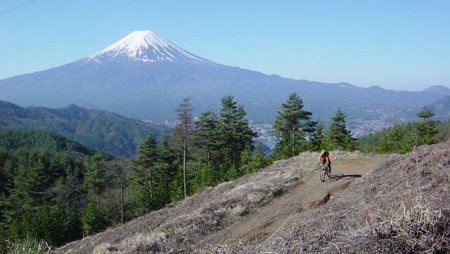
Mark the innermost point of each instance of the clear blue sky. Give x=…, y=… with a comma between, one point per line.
x=395, y=44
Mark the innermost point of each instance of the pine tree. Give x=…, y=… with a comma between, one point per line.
x=289, y=127
x=144, y=174
x=337, y=136
x=166, y=167
x=208, y=158
x=95, y=177
x=395, y=140
x=317, y=134
x=120, y=173
x=235, y=133
x=427, y=128
x=206, y=135
x=183, y=132
x=93, y=216
x=253, y=161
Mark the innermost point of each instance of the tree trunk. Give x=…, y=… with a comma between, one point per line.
x=184, y=168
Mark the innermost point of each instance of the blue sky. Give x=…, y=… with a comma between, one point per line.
x=395, y=44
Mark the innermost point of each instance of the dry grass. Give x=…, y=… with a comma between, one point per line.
x=178, y=226
x=403, y=206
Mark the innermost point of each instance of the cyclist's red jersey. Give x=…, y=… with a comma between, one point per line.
x=325, y=157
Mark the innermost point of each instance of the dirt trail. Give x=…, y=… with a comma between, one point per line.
x=307, y=194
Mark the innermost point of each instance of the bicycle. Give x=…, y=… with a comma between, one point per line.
x=326, y=171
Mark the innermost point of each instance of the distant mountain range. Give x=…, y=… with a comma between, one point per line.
x=144, y=76
x=97, y=129
x=441, y=108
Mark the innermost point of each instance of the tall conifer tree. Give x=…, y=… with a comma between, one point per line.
x=95, y=177
x=235, y=132
x=183, y=132
x=144, y=177
x=289, y=127
x=338, y=137
x=427, y=128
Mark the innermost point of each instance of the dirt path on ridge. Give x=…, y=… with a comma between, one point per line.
x=307, y=194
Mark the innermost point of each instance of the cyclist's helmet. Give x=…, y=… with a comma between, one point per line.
x=324, y=152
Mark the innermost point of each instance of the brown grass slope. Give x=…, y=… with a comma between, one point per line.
x=402, y=206
x=182, y=224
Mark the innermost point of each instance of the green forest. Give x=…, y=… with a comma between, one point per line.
x=54, y=190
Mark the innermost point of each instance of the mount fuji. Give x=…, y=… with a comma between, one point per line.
x=146, y=47
x=145, y=76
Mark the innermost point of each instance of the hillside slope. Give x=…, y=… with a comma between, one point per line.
x=400, y=206
x=12, y=140
x=97, y=129
x=403, y=206
x=306, y=194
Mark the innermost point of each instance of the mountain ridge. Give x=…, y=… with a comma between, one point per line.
x=151, y=90
x=437, y=89
x=97, y=129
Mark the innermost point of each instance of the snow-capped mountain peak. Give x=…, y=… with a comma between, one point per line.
x=145, y=46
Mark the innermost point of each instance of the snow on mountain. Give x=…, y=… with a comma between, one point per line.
x=145, y=46
x=143, y=76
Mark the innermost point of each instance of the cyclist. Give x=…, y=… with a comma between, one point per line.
x=324, y=158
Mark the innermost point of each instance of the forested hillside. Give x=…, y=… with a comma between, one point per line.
x=41, y=177
x=96, y=129
x=55, y=190
x=53, y=194
x=12, y=140
x=401, y=138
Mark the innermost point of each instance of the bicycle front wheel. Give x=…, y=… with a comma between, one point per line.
x=322, y=175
